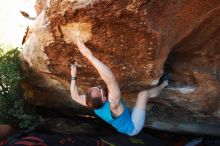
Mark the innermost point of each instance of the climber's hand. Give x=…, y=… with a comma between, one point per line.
x=73, y=70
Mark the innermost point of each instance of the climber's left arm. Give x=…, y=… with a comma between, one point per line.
x=73, y=88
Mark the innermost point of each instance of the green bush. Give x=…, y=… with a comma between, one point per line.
x=14, y=109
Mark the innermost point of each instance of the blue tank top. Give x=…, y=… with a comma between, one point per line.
x=121, y=123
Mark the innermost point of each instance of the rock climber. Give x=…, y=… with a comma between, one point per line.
x=108, y=105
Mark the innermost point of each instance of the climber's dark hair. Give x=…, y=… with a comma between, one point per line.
x=95, y=102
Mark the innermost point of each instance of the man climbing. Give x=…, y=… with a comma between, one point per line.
x=109, y=106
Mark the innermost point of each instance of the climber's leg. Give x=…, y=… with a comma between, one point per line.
x=144, y=95
x=139, y=112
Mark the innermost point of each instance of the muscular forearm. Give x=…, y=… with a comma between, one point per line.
x=73, y=90
x=75, y=94
x=73, y=87
x=105, y=73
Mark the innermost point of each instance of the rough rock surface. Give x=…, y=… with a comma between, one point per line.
x=135, y=38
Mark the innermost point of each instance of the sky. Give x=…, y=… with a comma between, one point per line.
x=12, y=23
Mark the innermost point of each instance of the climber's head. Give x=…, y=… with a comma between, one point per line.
x=96, y=97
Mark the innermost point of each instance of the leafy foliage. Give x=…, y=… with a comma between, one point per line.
x=13, y=108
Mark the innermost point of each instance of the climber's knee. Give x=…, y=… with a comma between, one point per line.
x=143, y=94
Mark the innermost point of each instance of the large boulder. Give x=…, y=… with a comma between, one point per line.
x=135, y=38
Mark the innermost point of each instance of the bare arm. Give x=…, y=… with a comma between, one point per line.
x=105, y=73
x=73, y=87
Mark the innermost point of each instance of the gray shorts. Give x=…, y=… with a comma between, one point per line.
x=138, y=119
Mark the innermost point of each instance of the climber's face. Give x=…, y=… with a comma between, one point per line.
x=97, y=92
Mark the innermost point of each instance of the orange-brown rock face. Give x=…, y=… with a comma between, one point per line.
x=135, y=38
